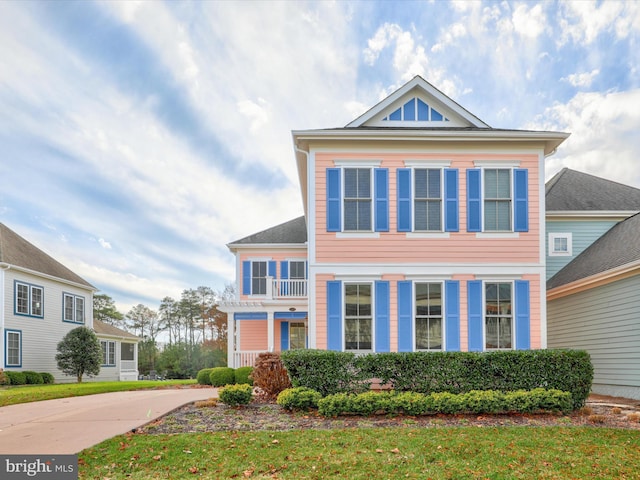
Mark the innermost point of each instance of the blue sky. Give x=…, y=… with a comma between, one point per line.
x=138, y=138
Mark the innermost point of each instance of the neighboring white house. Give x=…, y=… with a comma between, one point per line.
x=41, y=300
x=593, y=265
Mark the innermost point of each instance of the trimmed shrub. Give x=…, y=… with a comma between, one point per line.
x=4, y=379
x=221, y=376
x=17, y=378
x=270, y=375
x=236, y=395
x=453, y=372
x=204, y=376
x=33, y=378
x=242, y=375
x=336, y=404
x=47, y=378
x=298, y=398
x=328, y=372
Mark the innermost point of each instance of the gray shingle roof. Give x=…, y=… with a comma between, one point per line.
x=570, y=190
x=102, y=328
x=619, y=246
x=16, y=251
x=291, y=232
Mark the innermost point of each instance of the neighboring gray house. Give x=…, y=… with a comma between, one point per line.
x=41, y=300
x=593, y=265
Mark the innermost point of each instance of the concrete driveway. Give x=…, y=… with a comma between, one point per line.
x=68, y=425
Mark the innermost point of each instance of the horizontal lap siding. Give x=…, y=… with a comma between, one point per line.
x=253, y=335
x=459, y=247
x=605, y=321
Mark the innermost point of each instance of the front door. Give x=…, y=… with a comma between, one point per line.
x=297, y=335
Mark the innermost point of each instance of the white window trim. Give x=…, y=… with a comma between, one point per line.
x=442, y=312
x=498, y=233
x=343, y=185
x=251, y=262
x=555, y=253
x=30, y=288
x=344, y=314
x=495, y=279
x=107, y=343
x=427, y=163
x=427, y=233
x=357, y=163
x=6, y=355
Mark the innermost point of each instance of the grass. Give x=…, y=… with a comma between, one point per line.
x=447, y=453
x=36, y=393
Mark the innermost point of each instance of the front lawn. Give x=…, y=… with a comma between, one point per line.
x=35, y=393
x=385, y=453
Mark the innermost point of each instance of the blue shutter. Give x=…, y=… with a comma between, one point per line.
x=382, y=332
x=246, y=277
x=284, y=336
x=306, y=270
x=405, y=316
x=404, y=199
x=381, y=192
x=334, y=315
x=333, y=200
x=523, y=313
x=271, y=269
x=474, y=300
x=521, y=200
x=452, y=312
x=451, y=200
x=474, y=205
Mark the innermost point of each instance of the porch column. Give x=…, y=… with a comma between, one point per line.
x=270, y=331
x=231, y=339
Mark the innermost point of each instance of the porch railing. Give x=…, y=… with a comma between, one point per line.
x=289, y=288
x=245, y=358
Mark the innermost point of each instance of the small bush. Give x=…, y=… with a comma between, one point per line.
x=4, y=379
x=47, y=378
x=242, y=375
x=221, y=376
x=270, y=375
x=204, y=376
x=33, y=378
x=17, y=378
x=298, y=398
x=236, y=395
x=334, y=405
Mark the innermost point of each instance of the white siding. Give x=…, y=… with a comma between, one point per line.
x=584, y=233
x=605, y=321
x=40, y=336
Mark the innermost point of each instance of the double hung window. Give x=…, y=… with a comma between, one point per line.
x=357, y=200
x=258, y=278
x=358, y=320
x=498, y=316
x=497, y=200
x=428, y=316
x=13, y=348
x=108, y=352
x=28, y=299
x=73, y=308
x=427, y=200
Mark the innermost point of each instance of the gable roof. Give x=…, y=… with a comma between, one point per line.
x=291, y=232
x=573, y=191
x=17, y=252
x=418, y=88
x=102, y=328
x=616, y=248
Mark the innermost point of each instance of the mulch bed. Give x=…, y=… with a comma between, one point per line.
x=215, y=417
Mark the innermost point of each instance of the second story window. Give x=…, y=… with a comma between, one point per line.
x=427, y=200
x=73, y=308
x=357, y=199
x=258, y=278
x=28, y=299
x=497, y=200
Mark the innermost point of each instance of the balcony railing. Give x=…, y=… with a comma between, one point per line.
x=289, y=288
x=245, y=358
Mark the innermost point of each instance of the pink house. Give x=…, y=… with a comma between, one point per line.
x=423, y=229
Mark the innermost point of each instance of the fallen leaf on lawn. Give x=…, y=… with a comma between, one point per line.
x=276, y=442
x=193, y=469
x=157, y=457
x=379, y=450
x=187, y=451
x=248, y=473
x=395, y=450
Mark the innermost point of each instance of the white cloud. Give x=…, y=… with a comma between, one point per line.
x=603, y=139
x=104, y=244
x=581, y=79
x=529, y=22
x=583, y=22
x=256, y=113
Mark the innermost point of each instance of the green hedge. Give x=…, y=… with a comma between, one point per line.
x=33, y=378
x=204, y=376
x=453, y=372
x=298, y=398
x=243, y=375
x=221, y=376
x=326, y=371
x=235, y=395
x=473, y=402
x=47, y=378
x=17, y=378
